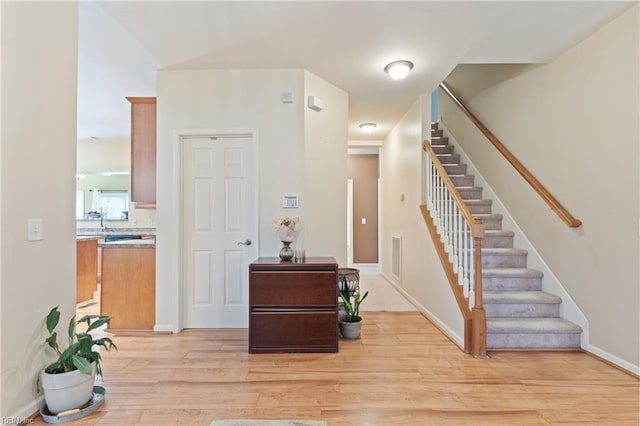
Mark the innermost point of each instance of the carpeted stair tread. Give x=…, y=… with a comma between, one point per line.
x=504, y=251
x=490, y=297
x=511, y=273
x=486, y=215
x=531, y=325
x=499, y=232
x=479, y=206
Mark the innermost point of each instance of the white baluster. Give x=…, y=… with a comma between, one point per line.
x=456, y=247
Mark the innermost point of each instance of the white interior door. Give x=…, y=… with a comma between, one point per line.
x=219, y=215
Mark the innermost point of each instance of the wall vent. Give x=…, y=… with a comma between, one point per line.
x=396, y=257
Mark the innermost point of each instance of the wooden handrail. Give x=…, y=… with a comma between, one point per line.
x=555, y=205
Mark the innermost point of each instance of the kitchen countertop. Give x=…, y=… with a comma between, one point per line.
x=114, y=231
x=135, y=243
x=87, y=237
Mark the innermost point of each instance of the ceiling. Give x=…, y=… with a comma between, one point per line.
x=122, y=44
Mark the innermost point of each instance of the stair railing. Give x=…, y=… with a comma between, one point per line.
x=555, y=205
x=457, y=235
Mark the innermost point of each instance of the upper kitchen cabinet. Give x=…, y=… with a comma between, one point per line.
x=143, y=151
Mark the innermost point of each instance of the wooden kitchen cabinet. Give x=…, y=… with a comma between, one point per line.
x=128, y=289
x=293, y=307
x=86, y=268
x=143, y=151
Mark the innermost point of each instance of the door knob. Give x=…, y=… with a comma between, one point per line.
x=246, y=242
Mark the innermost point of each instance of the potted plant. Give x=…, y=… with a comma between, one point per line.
x=68, y=381
x=351, y=322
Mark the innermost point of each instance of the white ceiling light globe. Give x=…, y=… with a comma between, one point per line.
x=398, y=70
x=367, y=128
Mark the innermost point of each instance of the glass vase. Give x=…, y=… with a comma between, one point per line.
x=286, y=252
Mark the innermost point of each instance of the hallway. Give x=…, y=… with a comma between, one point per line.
x=383, y=297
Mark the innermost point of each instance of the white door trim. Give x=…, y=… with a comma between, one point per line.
x=174, y=254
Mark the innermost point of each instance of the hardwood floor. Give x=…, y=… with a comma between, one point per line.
x=402, y=371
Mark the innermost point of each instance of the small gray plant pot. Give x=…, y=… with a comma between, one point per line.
x=350, y=330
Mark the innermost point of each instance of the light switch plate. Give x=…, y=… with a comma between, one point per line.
x=34, y=230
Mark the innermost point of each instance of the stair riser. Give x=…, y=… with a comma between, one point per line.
x=470, y=193
x=533, y=340
x=522, y=310
x=442, y=149
x=492, y=224
x=444, y=140
x=449, y=159
x=504, y=261
x=456, y=169
x=466, y=180
x=497, y=242
x=437, y=132
x=510, y=284
x=479, y=208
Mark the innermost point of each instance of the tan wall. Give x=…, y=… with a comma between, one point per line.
x=574, y=124
x=38, y=166
x=423, y=279
x=364, y=171
x=324, y=192
x=104, y=156
x=299, y=151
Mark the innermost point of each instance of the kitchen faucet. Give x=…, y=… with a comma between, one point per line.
x=103, y=228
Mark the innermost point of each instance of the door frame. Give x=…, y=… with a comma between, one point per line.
x=179, y=181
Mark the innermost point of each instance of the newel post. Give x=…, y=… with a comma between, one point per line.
x=478, y=315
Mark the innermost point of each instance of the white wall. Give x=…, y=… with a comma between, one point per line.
x=325, y=171
x=423, y=279
x=249, y=100
x=38, y=164
x=574, y=125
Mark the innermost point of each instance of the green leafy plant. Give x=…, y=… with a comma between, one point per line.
x=352, y=303
x=80, y=353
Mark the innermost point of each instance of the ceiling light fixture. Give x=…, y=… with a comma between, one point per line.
x=367, y=127
x=399, y=69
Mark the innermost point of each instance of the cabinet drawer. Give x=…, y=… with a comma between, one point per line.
x=293, y=331
x=284, y=289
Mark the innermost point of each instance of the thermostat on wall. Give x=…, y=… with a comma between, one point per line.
x=290, y=201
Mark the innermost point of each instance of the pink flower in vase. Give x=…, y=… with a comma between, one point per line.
x=286, y=228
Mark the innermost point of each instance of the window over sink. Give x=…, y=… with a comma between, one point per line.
x=102, y=196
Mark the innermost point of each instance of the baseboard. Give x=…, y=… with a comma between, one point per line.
x=613, y=360
x=26, y=414
x=164, y=328
x=444, y=329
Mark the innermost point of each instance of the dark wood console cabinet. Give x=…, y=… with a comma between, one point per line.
x=293, y=307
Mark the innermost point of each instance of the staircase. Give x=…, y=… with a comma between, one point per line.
x=519, y=314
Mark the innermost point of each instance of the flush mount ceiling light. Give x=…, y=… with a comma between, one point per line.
x=367, y=127
x=399, y=69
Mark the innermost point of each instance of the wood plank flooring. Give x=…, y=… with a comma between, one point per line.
x=402, y=371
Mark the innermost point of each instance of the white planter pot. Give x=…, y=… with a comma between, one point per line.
x=67, y=391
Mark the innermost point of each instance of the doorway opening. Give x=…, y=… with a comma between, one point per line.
x=363, y=208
